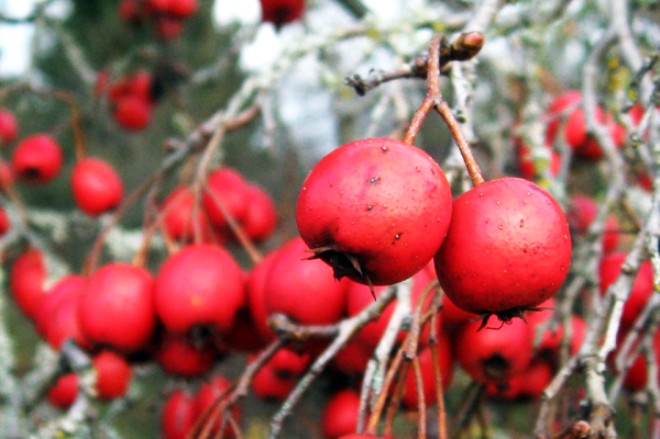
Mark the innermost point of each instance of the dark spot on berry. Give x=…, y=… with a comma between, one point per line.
x=374, y=180
x=370, y=208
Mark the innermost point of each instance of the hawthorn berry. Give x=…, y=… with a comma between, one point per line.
x=178, y=415
x=493, y=355
x=5, y=223
x=304, y=290
x=508, y=248
x=375, y=209
x=95, y=185
x=642, y=288
x=37, y=159
x=340, y=414
x=8, y=127
x=116, y=308
x=26, y=280
x=200, y=285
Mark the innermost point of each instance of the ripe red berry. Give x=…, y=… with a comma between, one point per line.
x=117, y=307
x=224, y=196
x=340, y=414
x=508, y=248
x=37, y=159
x=260, y=217
x=200, y=285
x=642, y=288
x=5, y=223
x=8, y=127
x=96, y=187
x=183, y=219
x=113, y=374
x=267, y=385
x=255, y=290
x=133, y=113
x=181, y=8
x=376, y=210
x=493, y=355
x=26, y=281
x=178, y=415
x=280, y=12
x=56, y=318
x=304, y=290
x=63, y=393
x=179, y=354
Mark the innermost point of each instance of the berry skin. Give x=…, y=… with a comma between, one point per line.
x=26, y=281
x=116, y=307
x=96, y=186
x=8, y=127
x=5, y=223
x=508, y=248
x=200, y=285
x=375, y=209
x=132, y=113
x=37, y=159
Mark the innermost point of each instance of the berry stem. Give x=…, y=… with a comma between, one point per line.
x=76, y=125
x=434, y=99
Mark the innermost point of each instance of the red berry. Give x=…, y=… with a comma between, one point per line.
x=280, y=12
x=96, y=186
x=288, y=363
x=182, y=217
x=200, y=285
x=26, y=281
x=8, y=127
x=113, y=374
x=260, y=217
x=266, y=384
x=181, y=355
x=642, y=288
x=5, y=223
x=352, y=359
x=63, y=393
x=168, y=27
x=133, y=113
x=304, y=290
x=375, y=209
x=529, y=384
x=255, y=290
x=37, y=159
x=493, y=355
x=225, y=195
x=117, y=307
x=508, y=248
x=57, y=315
x=340, y=414
x=178, y=415
x=182, y=8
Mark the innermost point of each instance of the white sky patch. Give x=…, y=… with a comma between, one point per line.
x=15, y=38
